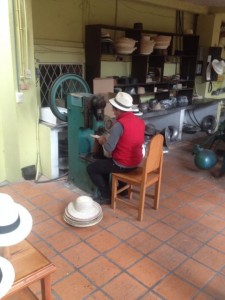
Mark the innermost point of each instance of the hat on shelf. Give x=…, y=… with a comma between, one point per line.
x=122, y=101
x=218, y=66
x=15, y=221
x=7, y=276
x=83, y=212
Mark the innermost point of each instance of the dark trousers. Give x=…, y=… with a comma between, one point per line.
x=99, y=172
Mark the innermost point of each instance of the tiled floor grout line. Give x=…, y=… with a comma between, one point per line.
x=196, y=217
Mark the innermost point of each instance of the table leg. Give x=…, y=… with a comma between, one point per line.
x=46, y=288
x=5, y=252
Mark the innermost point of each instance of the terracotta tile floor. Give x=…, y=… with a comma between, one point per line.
x=177, y=252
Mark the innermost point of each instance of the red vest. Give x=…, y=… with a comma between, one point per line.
x=128, y=151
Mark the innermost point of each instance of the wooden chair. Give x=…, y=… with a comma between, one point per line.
x=143, y=177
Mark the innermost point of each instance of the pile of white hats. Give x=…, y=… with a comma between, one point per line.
x=83, y=212
x=125, y=45
x=162, y=41
x=146, y=45
x=15, y=225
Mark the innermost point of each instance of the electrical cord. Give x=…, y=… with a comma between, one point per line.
x=194, y=121
x=51, y=180
x=197, y=122
x=189, y=114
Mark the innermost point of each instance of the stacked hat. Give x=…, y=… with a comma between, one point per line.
x=15, y=221
x=162, y=41
x=7, y=276
x=146, y=45
x=125, y=45
x=83, y=212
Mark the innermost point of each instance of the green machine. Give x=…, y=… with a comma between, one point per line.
x=85, y=117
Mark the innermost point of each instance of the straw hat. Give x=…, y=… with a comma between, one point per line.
x=7, y=276
x=122, y=101
x=15, y=221
x=83, y=208
x=125, y=45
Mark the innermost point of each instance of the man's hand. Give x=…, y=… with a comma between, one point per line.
x=102, y=140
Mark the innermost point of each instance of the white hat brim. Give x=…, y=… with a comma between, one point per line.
x=21, y=232
x=112, y=101
x=8, y=276
x=93, y=211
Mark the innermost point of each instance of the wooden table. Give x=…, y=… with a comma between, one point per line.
x=30, y=265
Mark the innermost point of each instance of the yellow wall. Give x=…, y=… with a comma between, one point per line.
x=17, y=121
x=10, y=152
x=65, y=21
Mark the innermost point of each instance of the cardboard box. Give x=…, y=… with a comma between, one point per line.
x=103, y=85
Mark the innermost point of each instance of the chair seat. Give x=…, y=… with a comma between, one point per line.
x=135, y=177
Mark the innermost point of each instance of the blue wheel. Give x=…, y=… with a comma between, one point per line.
x=61, y=87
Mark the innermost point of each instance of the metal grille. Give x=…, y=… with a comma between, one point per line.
x=48, y=74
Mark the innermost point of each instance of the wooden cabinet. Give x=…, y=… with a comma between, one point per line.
x=183, y=50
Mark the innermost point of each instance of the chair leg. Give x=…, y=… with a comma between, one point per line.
x=141, y=204
x=130, y=192
x=114, y=192
x=157, y=194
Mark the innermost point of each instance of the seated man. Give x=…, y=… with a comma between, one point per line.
x=124, y=144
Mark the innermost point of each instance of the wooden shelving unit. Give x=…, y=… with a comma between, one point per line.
x=183, y=47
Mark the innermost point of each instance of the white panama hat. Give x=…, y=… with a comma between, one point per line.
x=122, y=101
x=7, y=276
x=15, y=221
x=84, y=208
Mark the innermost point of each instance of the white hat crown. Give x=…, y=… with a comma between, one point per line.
x=7, y=276
x=122, y=101
x=83, y=203
x=15, y=221
x=8, y=210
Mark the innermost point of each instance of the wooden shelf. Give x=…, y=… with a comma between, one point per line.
x=141, y=64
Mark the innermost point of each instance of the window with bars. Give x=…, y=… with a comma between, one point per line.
x=48, y=74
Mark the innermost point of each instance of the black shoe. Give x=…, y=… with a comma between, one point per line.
x=101, y=200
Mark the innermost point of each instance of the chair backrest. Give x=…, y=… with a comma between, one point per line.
x=154, y=155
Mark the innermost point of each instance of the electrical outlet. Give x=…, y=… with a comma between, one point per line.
x=19, y=97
